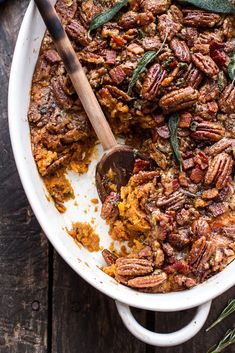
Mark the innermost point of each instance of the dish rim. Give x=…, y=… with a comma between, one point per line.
x=173, y=301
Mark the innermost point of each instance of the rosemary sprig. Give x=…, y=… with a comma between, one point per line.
x=228, y=339
x=230, y=308
x=220, y=6
x=142, y=63
x=173, y=126
x=106, y=16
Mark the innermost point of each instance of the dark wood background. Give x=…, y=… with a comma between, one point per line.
x=44, y=306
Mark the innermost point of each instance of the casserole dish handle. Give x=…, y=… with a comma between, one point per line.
x=164, y=339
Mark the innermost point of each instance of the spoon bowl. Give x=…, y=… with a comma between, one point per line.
x=116, y=167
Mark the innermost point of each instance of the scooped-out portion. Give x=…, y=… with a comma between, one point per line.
x=164, y=75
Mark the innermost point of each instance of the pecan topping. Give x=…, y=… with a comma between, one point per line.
x=220, y=168
x=201, y=228
x=200, y=253
x=193, y=76
x=227, y=100
x=128, y=266
x=209, y=92
x=153, y=280
x=52, y=56
x=173, y=201
x=198, y=18
x=181, y=50
x=109, y=257
x=117, y=74
x=191, y=35
x=77, y=32
x=178, y=100
x=167, y=27
x=208, y=131
x=220, y=146
x=58, y=90
x=152, y=82
x=217, y=209
x=210, y=194
x=110, y=206
x=132, y=19
x=205, y=64
x=156, y=7
x=207, y=111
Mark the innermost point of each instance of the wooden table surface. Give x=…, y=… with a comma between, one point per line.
x=45, y=307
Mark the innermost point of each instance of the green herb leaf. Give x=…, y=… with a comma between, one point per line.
x=106, y=16
x=140, y=67
x=173, y=126
x=231, y=66
x=220, y=6
x=230, y=308
x=142, y=63
x=228, y=339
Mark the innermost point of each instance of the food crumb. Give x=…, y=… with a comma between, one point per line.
x=84, y=234
x=95, y=201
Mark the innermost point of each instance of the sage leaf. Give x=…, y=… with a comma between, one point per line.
x=104, y=17
x=173, y=126
x=140, y=67
x=220, y=6
x=142, y=63
x=231, y=66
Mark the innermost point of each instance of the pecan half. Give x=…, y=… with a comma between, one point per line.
x=151, y=43
x=199, y=18
x=200, y=253
x=109, y=257
x=201, y=228
x=209, y=91
x=181, y=50
x=153, y=280
x=110, y=206
x=156, y=7
x=205, y=64
x=220, y=146
x=167, y=27
x=227, y=100
x=52, y=56
x=177, y=100
x=208, y=131
x=218, y=208
x=176, y=14
x=127, y=266
x=152, y=82
x=220, y=168
x=207, y=111
x=77, y=32
x=59, y=93
x=191, y=35
x=173, y=201
x=117, y=74
x=193, y=76
x=131, y=19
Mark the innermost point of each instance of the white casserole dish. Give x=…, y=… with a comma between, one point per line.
x=87, y=264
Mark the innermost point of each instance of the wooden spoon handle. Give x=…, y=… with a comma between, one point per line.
x=76, y=73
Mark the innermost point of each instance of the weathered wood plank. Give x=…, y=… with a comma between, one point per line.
x=168, y=322
x=85, y=320
x=23, y=249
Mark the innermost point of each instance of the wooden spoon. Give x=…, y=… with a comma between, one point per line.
x=119, y=159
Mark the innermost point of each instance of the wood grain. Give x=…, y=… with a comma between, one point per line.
x=23, y=248
x=86, y=320
x=44, y=306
